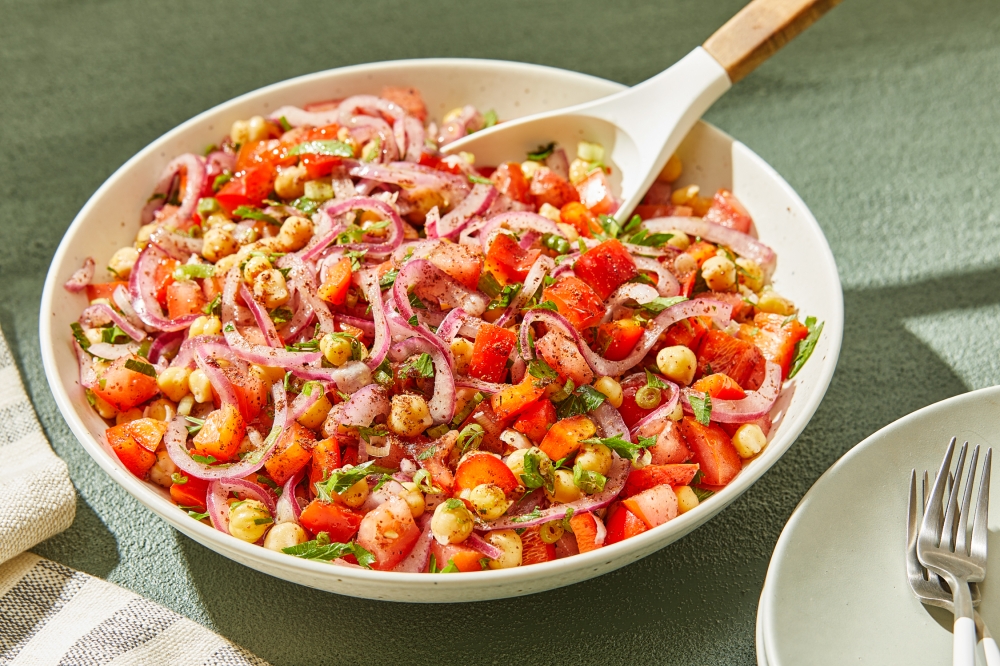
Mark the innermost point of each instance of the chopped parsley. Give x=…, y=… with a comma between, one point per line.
x=506, y=295
x=140, y=367
x=581, y=401
x=702, y=408
x=702, y=494
x=253, y=213
x=539, y=369
x=383, y=373
x=804, y=348
x=654, y=380
x=388, y=279
x=221, y=180
x=533, y=476
x=655, y=306
x=367, y=432
x=622, y=447
x=281, y=315
x=112, y=333
x=342, y=479
x=204, y=460
x=428, y=452
x=588, y=481
x=214, y=307
x=198, y=423
x=322, y=549
x=542, y=153
x=544, y=305
x=415, y=301
x=306, y=205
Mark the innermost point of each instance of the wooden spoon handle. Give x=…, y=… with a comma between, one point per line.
x=759, y=30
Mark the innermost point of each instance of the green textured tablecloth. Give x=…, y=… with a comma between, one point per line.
x=883, y=116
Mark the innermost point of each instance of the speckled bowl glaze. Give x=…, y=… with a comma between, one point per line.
x=806, y=273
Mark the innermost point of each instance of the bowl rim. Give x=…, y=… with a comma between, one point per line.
x=245, y=553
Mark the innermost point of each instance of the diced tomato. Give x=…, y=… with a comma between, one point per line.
x=516, y=398
x=622, y=524
x=740, y=308
x=136, y=457
x=654, y=506
x=510, y=181
x=271, y=152
x=576, y=301
x=687, y=332
x=408, y=98
x=211, y=287
x=617, y=339
x=388, y=532
x=147, y=432
x=248, y=188
x=434, y=162
x=726, y=210
x=713, y=450
x=251, y=392
x=191, y=493
x=319, y=166
x=325, y=459
x=125, y=388
x=534, y=550
x=338, y=521
x=563, y=356
x=338, y=279
x=776, y=337
x=221, y=434
x=584, y=526
x=579, y=217
x=630, y=411
x=606, y=267
x=462, y=262
x=490, y=352
x=184, y=298
x=741, y=360
x=648, y=211
x=291, y=453
x=701, y=251
x=670, y=447
x=563, y=439
x=507, y=261
x=595, y=193
x=163, y=277
x=550, y=188
x=104, y=289
x=719, y=386
x=536, y=420
x=482, y=468
x=465, y=558
x=651, y=476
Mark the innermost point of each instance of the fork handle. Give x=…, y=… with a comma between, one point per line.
x=990, y=648
x=964, y=646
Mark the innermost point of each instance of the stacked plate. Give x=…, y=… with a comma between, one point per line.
x=836, y=589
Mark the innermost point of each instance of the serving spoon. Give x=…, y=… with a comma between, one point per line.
x=642, y=126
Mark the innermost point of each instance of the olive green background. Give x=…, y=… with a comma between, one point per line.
x=883, y=116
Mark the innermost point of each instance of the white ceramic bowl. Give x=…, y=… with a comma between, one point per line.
x=806, y=273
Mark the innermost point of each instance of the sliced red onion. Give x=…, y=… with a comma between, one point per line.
x=720, y=312
x=194, y=167
x=383, y=337
x=609, y=422
x=369, y=105
x=303, y=402
x=755, y=405
x=414, y=138
x=121, y=300
x=419, y=557
x=111, y=352
x=663, y=411
x=365, y=325
x=476, y=542
x=364, y=407
x=528, y=239
x=515, y=221
x=88, y=376
x=432, y=281
x=666, y=283
x=442, y=403
x=476, y=203
x=104, y=312
x=260, y=354
x=297, y=117
x=601, y=531
x=82, y=277
x=527, y=504
x=287, y=508
x=301, y=281
x=631, y=291
x=467, y=122
x=567, y=546
x=451, y=324
x=218, y=492
x=164, y=345
x=542, y=267
x=365, y=128
x=613, y=486
x=178, y=246
x=142, y=289
x=213, y=344
x=558, y=163
x=480, y=385
x=218, y=161
x=380, y=208
x=260, y=315
x=348, y=378
x=176, y=444
x=742, y=244
x=406, y=175
x=216, y=377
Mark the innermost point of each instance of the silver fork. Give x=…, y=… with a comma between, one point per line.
x=943, y=545
x=927, y=585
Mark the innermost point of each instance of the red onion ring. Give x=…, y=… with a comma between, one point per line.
x=408, y=176
x=742, y=244
x=380, y=208
x=518, y=220
x=451, y=325
x=640, y=293
x=165, y=344
x=88, y=376
x=195, y=183
x=112, y=352
x=755, y=405
x=363, y=408
x=91, y=312
x=666, y=283
x=303, y=403
x=477, y=202
x=365, y=325
x=430, y=278
x=363, y=128
x=175, y=441
x=720, y=312
x=287, y=509
x=532, y=281
x=467, y=122
x=476, y=542
x=82, y=277
x=301, y=281
x=613, y=486
x=178, y=246
x=480, y=385
x=217, y=378
x=420, y=555
x=558, y=163
x=142, y=287
x=297, y=117
x=609, y=421
x=120, y=298
x=383, y=337
x=218, y=492
x=261, y=316
x=414, y=138
x=185, y=354
x=442, y=403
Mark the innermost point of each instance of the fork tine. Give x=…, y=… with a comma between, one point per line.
x=962, y=527
x=929, y=526
x=951, y=517
x=978, y=550
x=911, y=512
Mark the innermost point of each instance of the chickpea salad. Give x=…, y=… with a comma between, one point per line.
x=329, y=340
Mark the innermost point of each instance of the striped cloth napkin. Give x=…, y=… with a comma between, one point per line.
x=49, y=613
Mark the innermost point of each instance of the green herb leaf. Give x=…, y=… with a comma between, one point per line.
x=80, y=336
x=655, y=306
x=470, y=437
x=198, y=423
x=383, y=373
x=214, y=307
x=588, y=481
x=306, y=205
x=178, y=478
x=642, y=278
x=252, y=213
x=506, y=295
x=541, y=370
x=192, y=271
x=144, y=348
x=221, y=180
x=567, y=518
x=112, y=333
x=654, y=380
x=281, y=315
x=427, y=453
x=204, y=460
x=542, y=153
x=451, y=567
x=611, y=226
x=490, y=119
x=263, y=521
x=197, y=516
x=367, y=432
x=388, y=279
x=489, y=285
x=479, y=179
x=533, y=476
x=355, y=256
x=622, y=447
x=413, y=321
x=140, y=367
x=415, y=301
x=341, y=479
x=544, y=305
x=702, y=494
x=702, y=408
x=583, y=400
x=285, y=125
x=804, y=348
x=418, y=366
x=537, y=513
x=334, y=148
x=453, y=504
x=318, y=550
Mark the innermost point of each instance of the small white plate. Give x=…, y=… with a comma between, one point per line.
x=836, y=589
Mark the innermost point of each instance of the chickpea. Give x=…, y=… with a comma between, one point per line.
x=173, y=383
x=314, y=417
x=356, y=495
x=719, y=273
x=461, y=350
x=270, y=289
x=770, y=301
x=409, y=415
x=414, y=498
x=200, y=386
x=284, y=536
x=685, y=263
x=290, y=183
x=216, y=220
x=565, y=489
x=671, y=170
x=336, y=349
x=218, y=243
x=686, y=499
x=295, y=233
x=128, y=415
x=749, y=439
x=122, y=261
x=515, y=461
x=205, y=326
x=248, y=520
x=509, y=542
x=611, y=390
x=489, y=500
x=549, y=211
x=145, y=231
x=452, y=522
x=240, y=131
x=751, y=274
x=161, y=410
x=679, y=239
x=255, y=266
x=162, y=471
x=677, y=363
x=104, y=408
x=594, y=458
x=684, y=195
x=529, y=168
